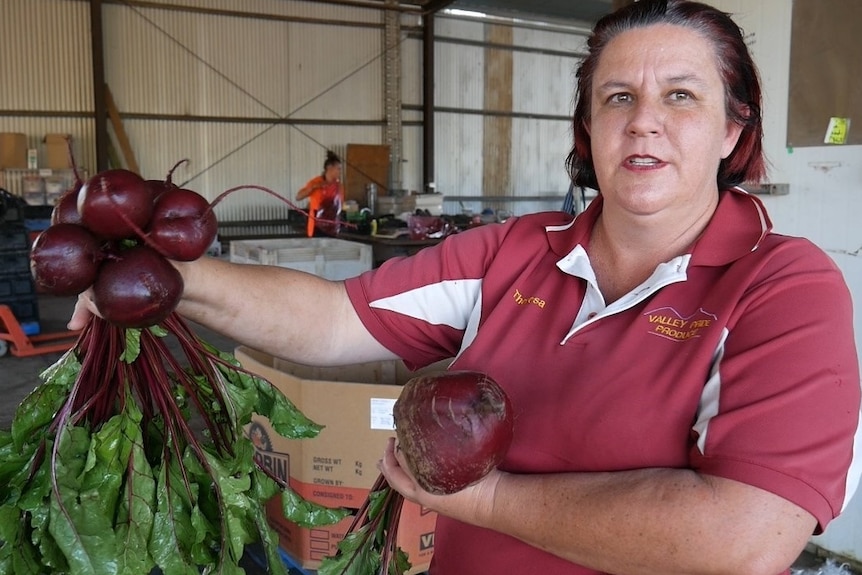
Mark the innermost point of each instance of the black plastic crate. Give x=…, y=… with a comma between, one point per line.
x=14, y=238
x=14, y=263
x=11, y=207
x=24, y=308
x=37, y=212
x=16, y=285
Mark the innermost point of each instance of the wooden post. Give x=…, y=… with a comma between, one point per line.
x=120, y=132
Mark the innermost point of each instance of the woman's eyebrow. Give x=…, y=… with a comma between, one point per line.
x=688, y=78
x=613, y=85
x=685, y=79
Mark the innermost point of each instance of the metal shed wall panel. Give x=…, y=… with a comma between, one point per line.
x=285, y=8
x=169, y=68
x=462, y=28
x=557, y=39
x=411, y=72
x=458, y=152
x=539, y=157
x=543, y=84
x=412, y=150
x=335, y=69
x=171, y=63
x=222, y=156
x=459, y=76
x=46, y=56
x=168, y=62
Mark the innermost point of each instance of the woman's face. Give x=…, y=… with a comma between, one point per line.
x=658, y=125
x=333, y=173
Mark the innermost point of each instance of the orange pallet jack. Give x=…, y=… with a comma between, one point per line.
x=24, y=345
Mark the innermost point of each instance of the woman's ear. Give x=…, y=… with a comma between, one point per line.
x=733, y=132
x=731, y=138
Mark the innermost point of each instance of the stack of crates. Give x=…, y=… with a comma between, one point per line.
x=16, y=284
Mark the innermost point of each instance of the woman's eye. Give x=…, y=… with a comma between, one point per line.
x=620, y=98
x=680, y=96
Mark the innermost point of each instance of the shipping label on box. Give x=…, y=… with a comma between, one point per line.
x=338, y=467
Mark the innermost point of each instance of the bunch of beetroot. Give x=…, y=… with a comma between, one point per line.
x=131, y=456
x=116, y=233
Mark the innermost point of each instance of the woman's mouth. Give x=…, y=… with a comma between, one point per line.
x=643, y=162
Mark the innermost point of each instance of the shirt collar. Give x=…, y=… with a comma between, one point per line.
x=738, y=226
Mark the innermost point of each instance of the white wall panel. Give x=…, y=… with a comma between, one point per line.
x=413, y=154
x=411, y=72
x=539, y=155
x=464, y=29
x=564, y=40
x=458, y=158
x=543, y=84
x=459, y=76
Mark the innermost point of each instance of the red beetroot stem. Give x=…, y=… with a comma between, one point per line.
x=91, y=396
x=379, y=484
x=392, y=508
x=221, y=436
x=389, y=516
x=170, y=176
x=201, y=362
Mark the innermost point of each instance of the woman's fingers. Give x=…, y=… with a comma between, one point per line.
x=84, y=310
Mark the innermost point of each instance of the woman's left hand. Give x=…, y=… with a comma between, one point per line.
x=473, y=504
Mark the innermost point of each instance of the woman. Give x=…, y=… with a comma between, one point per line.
x=325, y=196
x=685, y=381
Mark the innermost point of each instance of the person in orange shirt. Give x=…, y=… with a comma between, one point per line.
x=325, y=195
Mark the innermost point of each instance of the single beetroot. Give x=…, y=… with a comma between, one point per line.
x=453, y=428
x=64, y=259
x=114, y=204
x=158, y=187
x=137, y=288
x=182, y=226
x=66, y=209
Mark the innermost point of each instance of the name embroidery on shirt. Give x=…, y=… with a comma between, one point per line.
x=521, y=299
x=668, y=323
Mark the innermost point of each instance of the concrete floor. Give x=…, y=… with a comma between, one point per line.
x=19, y=375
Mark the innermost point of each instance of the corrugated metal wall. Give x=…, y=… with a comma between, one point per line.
x=251, y=76
x=45, y=47
x=254, y=94
x=542, y=89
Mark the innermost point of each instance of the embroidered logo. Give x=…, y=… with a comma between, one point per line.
x=668, y=323
x=521, y=299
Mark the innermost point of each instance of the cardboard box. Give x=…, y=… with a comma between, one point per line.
x=338, y=467
x=13, y=150
x=57, y=151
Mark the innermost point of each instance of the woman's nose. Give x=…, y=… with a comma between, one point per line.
x=647, y=119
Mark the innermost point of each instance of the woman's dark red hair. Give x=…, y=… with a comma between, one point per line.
x=741, y=83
